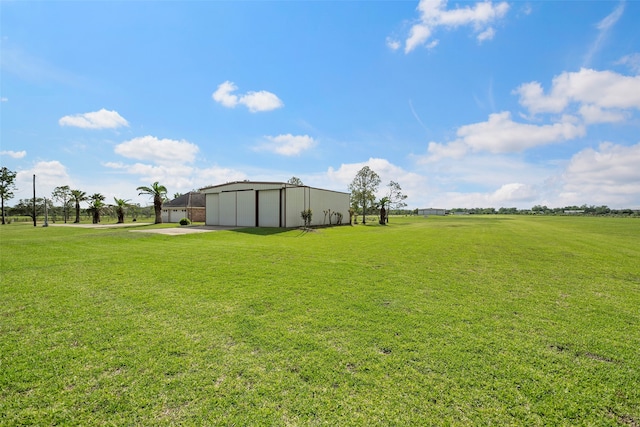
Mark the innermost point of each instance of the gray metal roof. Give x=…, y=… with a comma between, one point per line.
x=197, y=201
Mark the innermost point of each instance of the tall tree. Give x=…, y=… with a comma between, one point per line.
x=7, y=186
x=63, y=195
x=121, y=205
x=363, y=189
x=159, y=193
x=96, y=205
x=294, y=180
x=78, y=196
x=395, y=196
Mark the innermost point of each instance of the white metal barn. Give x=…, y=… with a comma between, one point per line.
x=271, y=204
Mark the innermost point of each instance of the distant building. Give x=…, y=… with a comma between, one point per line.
x=432, y=211
x=573, y=211
x=190, y=206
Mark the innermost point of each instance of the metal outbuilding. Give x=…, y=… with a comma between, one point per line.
x=272, y=204
x=431, y=211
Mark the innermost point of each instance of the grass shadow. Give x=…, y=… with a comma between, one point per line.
x=262, y=231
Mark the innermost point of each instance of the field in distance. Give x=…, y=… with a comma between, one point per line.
x=461, y=320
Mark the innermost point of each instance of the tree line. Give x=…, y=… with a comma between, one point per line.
x=64, y=201
x=590, y=210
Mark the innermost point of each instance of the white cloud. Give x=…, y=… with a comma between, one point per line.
x=437, y=151
x=261, y=101
x=13, y=154
x=254, y=101
x=103, y=119
x=632, y=61
x=216, y=175
x=223, y=94
x=287, y=145
x=594, y=114
x=173, y=177
x=533, y=98
x=160, y=151
x=418, y=35
x=178, y=177
x=487, y=34
x=603, y=89
x=4, y=99
x=508, y=195
x=608, y=175
x=434, y=14
x=393, y=44
x=610, y=20
x=604, y=27
x=500, y=134
x=49, y=174
x=513, y=192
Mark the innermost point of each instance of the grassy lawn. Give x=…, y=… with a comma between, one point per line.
x=475, y=320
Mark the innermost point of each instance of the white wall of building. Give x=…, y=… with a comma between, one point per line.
x=228, y=208
x=251, y=204
x=269, y=208
x=246, y=208
x=212, y=208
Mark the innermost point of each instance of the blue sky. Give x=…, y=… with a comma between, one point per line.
x=465, y=104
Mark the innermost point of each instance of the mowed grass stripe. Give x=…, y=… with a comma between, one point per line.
x=456, y=320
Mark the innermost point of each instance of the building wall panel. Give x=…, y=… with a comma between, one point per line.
x=228, y=205
x=246, y=208
x=212, y=202
x=269, y=208
x=296, y=200
x=323, y=200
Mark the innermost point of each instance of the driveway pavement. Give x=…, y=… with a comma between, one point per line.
x=173, y=231
x=178, y=231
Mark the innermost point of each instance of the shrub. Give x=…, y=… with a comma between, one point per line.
x=185, y=221
x=306, y=217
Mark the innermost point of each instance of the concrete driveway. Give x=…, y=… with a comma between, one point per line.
x=178, y=231
x=173, y=231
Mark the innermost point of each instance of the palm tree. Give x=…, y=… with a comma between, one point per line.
x=78, y=196
x=159, y=193
x=96, y=206
x=121, y=204
x=383, y=211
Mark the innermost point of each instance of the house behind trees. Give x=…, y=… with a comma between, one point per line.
x=190, y=206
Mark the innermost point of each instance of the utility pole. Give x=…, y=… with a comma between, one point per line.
x=34, y=200
x=46, y=214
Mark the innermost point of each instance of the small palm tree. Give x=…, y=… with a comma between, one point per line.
x=383, y=211
x=159, y=193
x=96, y=205
x=78, y=196
x=121, y=205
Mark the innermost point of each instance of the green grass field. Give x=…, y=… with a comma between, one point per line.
x=492, y=320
